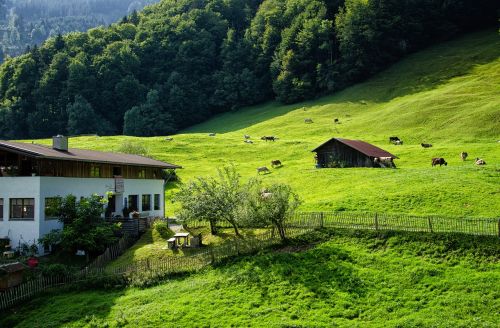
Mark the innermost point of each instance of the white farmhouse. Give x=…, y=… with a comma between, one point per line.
x=31, y=175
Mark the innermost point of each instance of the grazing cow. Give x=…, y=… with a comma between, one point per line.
x=268, y=138
x=336, y=121
x=308, y=120
x=463, y=155
x=439, y=161
x=276, y=162
x=393, y=139
x=246, y=136
x=426, y=145
x=384, y=162
x=211, y=134
x=249, y=141
x=398, y=142
x=169, y=139
x=266, y=195
x=263, y=169
x=479, y=161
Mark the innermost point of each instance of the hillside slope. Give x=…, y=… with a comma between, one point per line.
x=353, y=280
x=447, y=95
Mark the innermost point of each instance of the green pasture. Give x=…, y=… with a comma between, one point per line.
x=356, y=279
x=447, y=95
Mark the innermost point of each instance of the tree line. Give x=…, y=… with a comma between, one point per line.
x=179, y=62
x=24, y=23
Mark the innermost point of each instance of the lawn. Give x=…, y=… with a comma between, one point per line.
x=352, y=279
x=446, y=95
x=153, y=246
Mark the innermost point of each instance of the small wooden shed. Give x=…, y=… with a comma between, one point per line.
x=339, y=152
x=11, y=275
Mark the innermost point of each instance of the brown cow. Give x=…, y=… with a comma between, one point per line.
x=439, y=161
x=426, y=145
x=268, y=138
x=463, y=155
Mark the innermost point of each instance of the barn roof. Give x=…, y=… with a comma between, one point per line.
x=82, y=155
x=361, y=146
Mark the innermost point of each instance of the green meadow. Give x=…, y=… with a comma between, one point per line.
x=351, y=279
x=447, y=95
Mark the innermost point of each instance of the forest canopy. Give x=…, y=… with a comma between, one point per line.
x=179, y=62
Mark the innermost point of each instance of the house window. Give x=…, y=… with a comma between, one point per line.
x=22, y=208
x=51, y=206
x=157, y=202
x=95, y=171
x=133, y=202
x=117, y=171
x=1, y=209
x=142, y=174
x=146, y=202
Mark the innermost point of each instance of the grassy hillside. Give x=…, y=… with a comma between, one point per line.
x=352, y=280
x=447, y=95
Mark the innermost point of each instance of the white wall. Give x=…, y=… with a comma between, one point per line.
x=40, y=188
x=20, y=187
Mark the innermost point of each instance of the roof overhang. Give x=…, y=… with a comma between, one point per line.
x=18, y=149
x=360, y=146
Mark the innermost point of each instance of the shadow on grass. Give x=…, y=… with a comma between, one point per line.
x=65, y=307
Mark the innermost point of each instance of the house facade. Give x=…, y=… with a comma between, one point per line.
x=32, y=175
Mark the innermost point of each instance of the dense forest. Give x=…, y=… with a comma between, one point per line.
x=178, y=62
x=24, y=23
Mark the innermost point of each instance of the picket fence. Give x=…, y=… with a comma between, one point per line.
x=397, y=222
x=170, y=265
x=300, y=223
x=381, y=221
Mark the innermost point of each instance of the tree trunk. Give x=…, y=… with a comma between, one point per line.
x=213, y=227
x=281, y=231
x=235, y=227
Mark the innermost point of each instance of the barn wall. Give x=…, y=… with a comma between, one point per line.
x=337, y=151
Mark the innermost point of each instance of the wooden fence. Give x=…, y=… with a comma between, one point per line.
x=299, y=224
x=113, y=252
x=397, y=222
x=170, y=265
x=380, y=221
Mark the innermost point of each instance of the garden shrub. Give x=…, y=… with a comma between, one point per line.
x=56, y=270
x=162, y=228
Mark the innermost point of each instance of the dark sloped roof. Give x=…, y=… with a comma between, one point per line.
x=12, y=267
x=361, y=146
x=82, y=155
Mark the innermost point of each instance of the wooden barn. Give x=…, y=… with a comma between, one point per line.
x=338, y=152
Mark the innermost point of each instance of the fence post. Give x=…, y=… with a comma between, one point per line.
x=212, y=255
x=321, y=220
x=498, y=227
x=376, y=221
x=430, y=224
